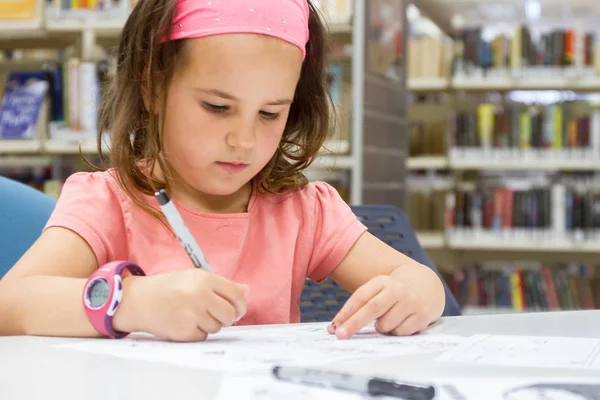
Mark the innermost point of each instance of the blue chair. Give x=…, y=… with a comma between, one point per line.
x=24, y=212
x=320, y=302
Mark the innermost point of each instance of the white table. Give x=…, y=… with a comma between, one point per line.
x=32, y=368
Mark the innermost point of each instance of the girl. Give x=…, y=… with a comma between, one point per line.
x=222, y=103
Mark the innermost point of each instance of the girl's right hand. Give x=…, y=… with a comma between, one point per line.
x=182, y=306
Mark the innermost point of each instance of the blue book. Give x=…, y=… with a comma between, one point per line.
x=21, y=104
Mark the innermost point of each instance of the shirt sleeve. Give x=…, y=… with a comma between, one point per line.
x=336, y=230
x=90, y=206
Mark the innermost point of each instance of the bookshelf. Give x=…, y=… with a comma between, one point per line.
x=494, y=248
x=85, y=35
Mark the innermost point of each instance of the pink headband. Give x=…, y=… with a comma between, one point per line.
x=283, y=19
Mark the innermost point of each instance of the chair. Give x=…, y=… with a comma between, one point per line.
x=23, y=213
x=321, y=302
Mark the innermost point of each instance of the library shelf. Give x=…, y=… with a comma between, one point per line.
x=24, y=146
x=428, y=84
x=525, y=165
x=31, y=161
x=431, y=240
x=57, y=147
x=491, y=164
x=102, y=27
x=590, y=83
x=427, y=162
x=29, y=28
x=495, y=243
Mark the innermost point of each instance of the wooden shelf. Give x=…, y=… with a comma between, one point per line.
x=427, y=162
x=29, y=161
x=108, y=27
x=544, y=83
x=492, y=164
x=431, y=240
x=494, y=243
x=20, y=29
x=428, y=84
x=57, y=147
x=525, y=164
x=27, y=146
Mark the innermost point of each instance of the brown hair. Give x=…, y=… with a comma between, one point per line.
x=136, y=134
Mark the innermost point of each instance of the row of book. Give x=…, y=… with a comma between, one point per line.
x=526, y=286
x=428, y=138
x=428, y=58
x=426, y=209
x=61, y=8
x=73, y=89
x=513, y=55
x=565, y=208
x=512, y=125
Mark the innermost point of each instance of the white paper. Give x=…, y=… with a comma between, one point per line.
x=246, y=349
x=541, y=388
x=527, y=351
x=267, y=388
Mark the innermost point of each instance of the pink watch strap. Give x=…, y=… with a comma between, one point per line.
x=101, y=317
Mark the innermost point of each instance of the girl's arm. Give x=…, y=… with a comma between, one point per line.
x=41, y=294
x=403, y=295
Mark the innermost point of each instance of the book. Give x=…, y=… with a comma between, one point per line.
x=23, y=97
x=525, y=286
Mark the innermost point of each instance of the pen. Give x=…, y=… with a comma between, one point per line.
x=181, y=230
x=353, y=383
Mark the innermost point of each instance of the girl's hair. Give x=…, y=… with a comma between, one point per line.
x=144, y=63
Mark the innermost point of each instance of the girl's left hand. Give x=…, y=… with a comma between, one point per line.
x=397, y=308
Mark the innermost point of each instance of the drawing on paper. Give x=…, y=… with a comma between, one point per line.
x=527, y=351
x=242, y=349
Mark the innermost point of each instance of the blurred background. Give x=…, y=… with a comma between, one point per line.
x=479, y=118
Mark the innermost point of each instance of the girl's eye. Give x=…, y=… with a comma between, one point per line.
x=270, y=116
x=215, y=108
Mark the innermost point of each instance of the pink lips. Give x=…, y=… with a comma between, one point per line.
x=232, y=168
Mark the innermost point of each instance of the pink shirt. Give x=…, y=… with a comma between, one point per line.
x=274, y=247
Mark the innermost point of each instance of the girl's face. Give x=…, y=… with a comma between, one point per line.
x=226, y=109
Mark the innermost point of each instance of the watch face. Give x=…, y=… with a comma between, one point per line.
x=99, y=293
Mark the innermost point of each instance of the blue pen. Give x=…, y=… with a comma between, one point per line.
x=181, y=230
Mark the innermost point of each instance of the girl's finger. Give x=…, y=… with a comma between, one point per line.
x=358, y=299
x=415, y=323
x=222, y=310
x=373, y=309
x=234, y=293
x=209, y=324
x=393, y=318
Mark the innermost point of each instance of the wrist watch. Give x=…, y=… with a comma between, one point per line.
x=102, y=295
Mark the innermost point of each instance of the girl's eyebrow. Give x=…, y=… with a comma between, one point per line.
x=219, y=93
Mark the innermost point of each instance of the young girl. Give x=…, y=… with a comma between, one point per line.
x=223, y=104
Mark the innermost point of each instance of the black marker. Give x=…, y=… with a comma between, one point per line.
x=353, y=383
x=181, y=230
